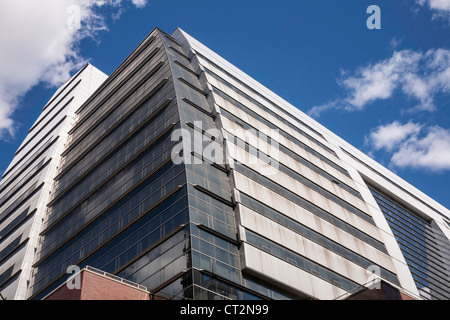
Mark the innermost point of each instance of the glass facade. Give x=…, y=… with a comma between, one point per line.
x=147, y=190
x=117, y=193
x=121, y=205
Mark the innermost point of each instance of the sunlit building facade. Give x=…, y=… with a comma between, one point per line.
x=27, y=182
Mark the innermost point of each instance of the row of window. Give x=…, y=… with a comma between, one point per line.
x=37, y=156
x=321, y=213
x=308, y=183
x=393, y=183
x=415, y=230
x=38, y=146
x=79, y=150
x=139, y=237
x=416, y=241
x=299, y=261
x=293, y=155
x=260, y=95
x=140, y=152
x=301, y=132
x=34, y=174
x=161, y=263
x=16, y=223
x=131, y=207
x=313, y=235
x=117, y=80
x=132, y=198
x=106, y=141
x=22, y=199
x=282, y=132
x=76, y=154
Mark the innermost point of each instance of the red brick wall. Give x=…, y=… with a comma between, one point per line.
x=64, y=293
x=97, y=287
x=406, y=297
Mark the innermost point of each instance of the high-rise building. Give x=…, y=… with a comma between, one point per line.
x=27, y=182
x=184, y=175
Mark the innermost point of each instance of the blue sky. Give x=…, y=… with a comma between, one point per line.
x=386, y=91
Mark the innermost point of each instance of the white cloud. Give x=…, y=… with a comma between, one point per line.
x=440, y=8
x=432, y=151
x=317, y=110
x=391, y=135
x=378, y=81
x=419, y=76
x=39, y=44
x=395, y=43
x=139, y=3
x=413, y=145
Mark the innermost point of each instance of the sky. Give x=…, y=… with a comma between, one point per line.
x=385, y=90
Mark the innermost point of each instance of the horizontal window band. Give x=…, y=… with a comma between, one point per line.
x=178, y=63
x=309, y=206
x=256, y=92
x=343, y=282
x=37, y=123
x=141, y=152
x=56, y=137
x=74, y=143
x=218, y=234
x=66, y=86
x=34, y=172
x=190, y=85
x=215, y=165
x=180, y=53
x=70, y=91
x=111, y=130
x=112, y=238
x=44, y=137
x=13, y=249
x=192, y=104
x=101, y=188
x=101, y=214
x=286, y=122
x=163, y=163
x=168, y=281
x=31, y=192
x=112, y=108
x=152, y=247
x=285, y=134
x=28, y=163
x=128, y=61
x=297, y=157
x=54, y=198
x=215, y=196
x=102, y=218
x=10, y=278
x=116, y=236
x=308, y=233
x=108, y=98
x=231, y=283
x=15, y=224
x=308, y=183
